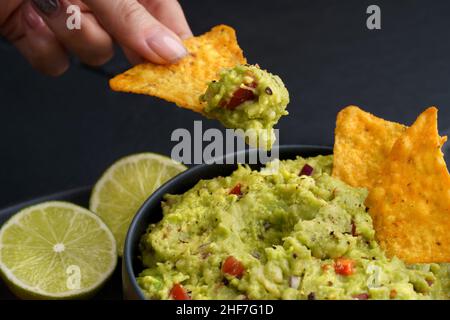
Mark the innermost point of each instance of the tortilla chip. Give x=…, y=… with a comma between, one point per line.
x=362, y=143
x=410, y=203
x=184, y=81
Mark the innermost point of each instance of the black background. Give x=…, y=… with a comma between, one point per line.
x=61, y=133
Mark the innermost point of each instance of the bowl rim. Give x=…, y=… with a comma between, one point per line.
x=127, y=263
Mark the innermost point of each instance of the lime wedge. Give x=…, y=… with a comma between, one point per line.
x=125, y=186
x=56, y=250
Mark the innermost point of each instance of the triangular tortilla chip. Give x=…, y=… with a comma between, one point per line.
x=362, y=143
x=410, y=203
x=184, y=81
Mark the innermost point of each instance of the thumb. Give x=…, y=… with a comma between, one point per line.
x=134, y=28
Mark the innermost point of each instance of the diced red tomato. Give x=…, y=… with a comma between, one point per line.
x=179, y=293
x=233, y=267
x=393, y=294
x=240, y=96
x=344, y=267
x=236, y=190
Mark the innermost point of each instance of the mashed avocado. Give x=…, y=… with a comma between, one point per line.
x=248, y=98
x=289, y=231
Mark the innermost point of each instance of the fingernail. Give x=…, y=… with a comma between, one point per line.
x=166, y=45
x=185, y=36
x=47, y=7
x=33, y=19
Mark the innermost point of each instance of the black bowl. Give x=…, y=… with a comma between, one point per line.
x=150, y=212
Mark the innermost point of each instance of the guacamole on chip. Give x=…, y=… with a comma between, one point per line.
x=288, y=231
x=246, y=97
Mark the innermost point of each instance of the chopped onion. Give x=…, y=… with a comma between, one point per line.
x=361, y=296
x=294, y=282
x=375, y=276
x=307, y=170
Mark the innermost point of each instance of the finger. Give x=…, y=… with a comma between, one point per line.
x=169, y=13
x=28, y=32
x=8, y=7
x=136, y=29
x=90, y=43
x=133, y=57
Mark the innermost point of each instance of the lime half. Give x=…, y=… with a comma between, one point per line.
x=56, y=250
x=125, y=186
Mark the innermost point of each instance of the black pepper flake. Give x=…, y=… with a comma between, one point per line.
x=268, y=91
x=354, y=233
x=225, y=281
x=312, y=296
x=295, y=256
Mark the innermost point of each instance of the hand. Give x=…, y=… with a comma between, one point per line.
x=145, y=29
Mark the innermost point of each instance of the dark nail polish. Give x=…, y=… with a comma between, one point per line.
x=47, y=7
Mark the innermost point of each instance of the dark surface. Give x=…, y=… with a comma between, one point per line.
x=112, y=290
x=57, y=134
x=150, y=212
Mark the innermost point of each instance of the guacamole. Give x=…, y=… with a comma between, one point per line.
x=288, y=231
x=248, y=98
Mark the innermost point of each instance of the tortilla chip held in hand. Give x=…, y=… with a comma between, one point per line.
x=410, y=202
x=362, y=143
x=184, y=81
